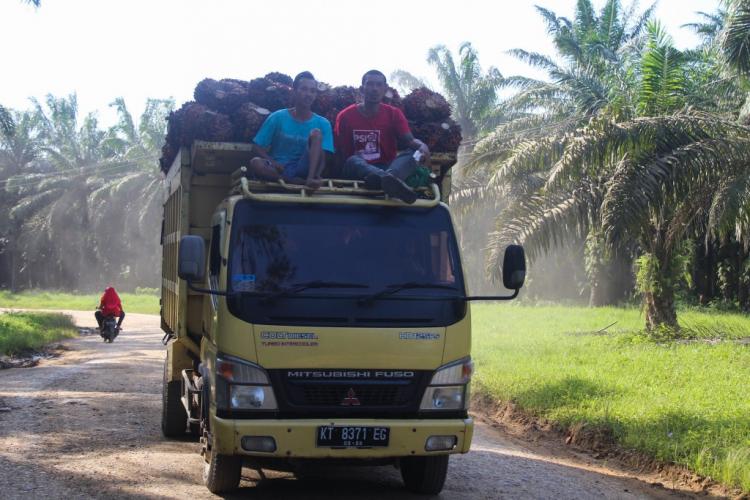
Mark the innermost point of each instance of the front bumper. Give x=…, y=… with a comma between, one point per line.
x=296, y=438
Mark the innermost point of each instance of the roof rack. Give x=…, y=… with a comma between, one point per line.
x=332, y=191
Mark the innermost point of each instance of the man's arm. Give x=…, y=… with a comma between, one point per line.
x=413, y=143
x=405, y=137
x=338, y=141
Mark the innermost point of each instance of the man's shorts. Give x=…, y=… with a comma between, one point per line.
x=298, y=168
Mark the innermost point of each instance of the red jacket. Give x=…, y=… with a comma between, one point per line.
x=110, y=304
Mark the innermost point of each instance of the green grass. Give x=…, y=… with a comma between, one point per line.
x=26, y=330
x=131, y=302
x=683, y=402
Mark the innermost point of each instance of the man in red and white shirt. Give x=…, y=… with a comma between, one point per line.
x=367, y=137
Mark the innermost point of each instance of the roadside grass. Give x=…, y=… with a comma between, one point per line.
x=682, y=401
x=147, y=303
x=27, y=330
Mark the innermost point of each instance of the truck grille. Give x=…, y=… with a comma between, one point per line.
x=365, y=395
x=350, y=395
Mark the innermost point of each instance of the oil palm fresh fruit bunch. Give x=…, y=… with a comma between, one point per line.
x=441, y=136
x=281, y=78
x=425, y=105
x=269, y=95
x=201, y=123
x=192, y=122
x=224, y=96
x=246, y=121
x=391, y=97
x=346, y=95
x=325, y=101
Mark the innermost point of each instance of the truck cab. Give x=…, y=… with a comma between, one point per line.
x=300, y=326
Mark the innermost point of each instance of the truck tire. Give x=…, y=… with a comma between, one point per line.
x=222, y=473
x=425, y=475
x=173, y=415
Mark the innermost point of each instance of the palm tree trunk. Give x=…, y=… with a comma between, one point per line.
x=658, y=296
x=660, y=310
x=12, y=259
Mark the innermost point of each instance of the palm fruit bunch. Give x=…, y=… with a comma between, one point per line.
x=325, y=102
x=269, y=94
x=224, y=96
x=346, y=95
x=247, y=120
x=193, y=121
x=331, y=100
x=391, y=97
x=280, y=78
x=441, y=136
x=425, y=105
x=234, y=110
x=429, y=119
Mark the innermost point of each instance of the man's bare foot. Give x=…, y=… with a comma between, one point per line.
x=299, y=181
x=314, y=184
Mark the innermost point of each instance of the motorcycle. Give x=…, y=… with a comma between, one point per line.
x=109, y=329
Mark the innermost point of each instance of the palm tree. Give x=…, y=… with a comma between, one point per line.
x=52, y=209
x=19, y=148
x=125, y=209
x=471, y=92
x=92, y=197
x=645, y=179
x=735, y=37
x=587, y=78
x=405, y=81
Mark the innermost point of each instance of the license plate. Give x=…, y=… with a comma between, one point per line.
x=335, y=436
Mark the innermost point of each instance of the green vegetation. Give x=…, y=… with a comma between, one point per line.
x=24, y=330
x=139, y=302
x=681, y=400
x=80, y=204
x=629, y=150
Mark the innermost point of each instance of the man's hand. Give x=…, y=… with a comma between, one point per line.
x=425, y=155
x=275, y=165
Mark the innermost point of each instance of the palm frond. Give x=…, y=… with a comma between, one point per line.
x=735, y=38
x=541, y=222
x=534, y=59
x=728, y=207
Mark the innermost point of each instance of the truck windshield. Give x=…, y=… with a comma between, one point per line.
x=365, y=249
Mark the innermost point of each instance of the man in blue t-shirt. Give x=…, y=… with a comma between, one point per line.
x=291, y=143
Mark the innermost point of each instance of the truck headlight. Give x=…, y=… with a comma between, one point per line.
x=449, y=387
x=241, y=385
x=256, y=397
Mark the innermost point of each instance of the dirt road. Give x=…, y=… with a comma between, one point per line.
x=87, y=425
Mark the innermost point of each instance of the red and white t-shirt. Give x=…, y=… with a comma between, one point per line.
x=373, y=138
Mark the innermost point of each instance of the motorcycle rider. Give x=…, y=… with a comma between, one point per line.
x=110, y=305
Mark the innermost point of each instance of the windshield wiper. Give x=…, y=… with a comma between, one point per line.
x=397, y=287
x=298, y=287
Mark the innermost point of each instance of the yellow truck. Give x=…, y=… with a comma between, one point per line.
x=300, y=326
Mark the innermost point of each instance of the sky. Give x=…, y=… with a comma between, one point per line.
x=138, y=49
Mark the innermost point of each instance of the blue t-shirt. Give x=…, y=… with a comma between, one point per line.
x=286, y=137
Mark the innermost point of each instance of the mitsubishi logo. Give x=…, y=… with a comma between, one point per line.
x=351, y=399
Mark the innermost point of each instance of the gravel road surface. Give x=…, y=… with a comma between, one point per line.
x=87, y=425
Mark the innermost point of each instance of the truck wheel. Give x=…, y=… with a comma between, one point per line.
x=425, y=475
x=173, y=415
x=222, y=472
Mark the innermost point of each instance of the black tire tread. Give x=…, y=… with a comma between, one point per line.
x=425, y=475
x=223, y=474
x=173, y=415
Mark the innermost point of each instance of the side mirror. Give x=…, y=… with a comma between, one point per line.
x=191, y=262
x=514, y=267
